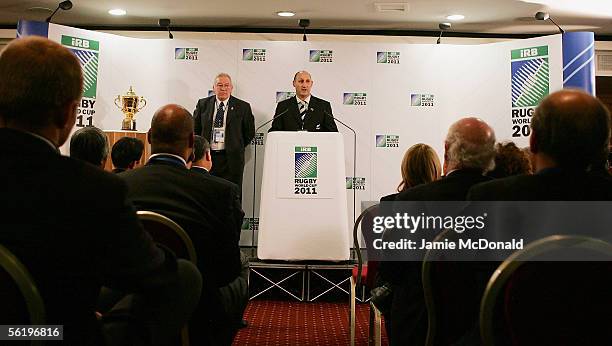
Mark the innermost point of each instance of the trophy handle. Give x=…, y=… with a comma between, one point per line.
x=118, y=98
x=144, y=103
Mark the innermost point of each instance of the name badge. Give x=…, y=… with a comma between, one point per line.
x=219, y=135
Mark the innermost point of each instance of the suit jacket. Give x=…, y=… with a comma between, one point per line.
x=547, y=185
x=409, y=313
x=206, y=207
x=239, y=127
x=70, y=224
x=318, y=116
x=453, y=187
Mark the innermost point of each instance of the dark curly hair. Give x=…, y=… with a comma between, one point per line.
x=510, y=160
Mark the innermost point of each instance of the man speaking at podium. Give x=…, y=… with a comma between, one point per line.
x=303, y=112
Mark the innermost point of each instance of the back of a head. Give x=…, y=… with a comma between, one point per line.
x=510, y=160
x=470, y=144
x=572, y=128
x=171, y=130
x=39, y=77
x=90, y=145
x=420, y=165
x=125, y=151
x=200, y=147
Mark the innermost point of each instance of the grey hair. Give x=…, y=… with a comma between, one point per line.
x=89, y=144
x=222, y=74
x=465, y=153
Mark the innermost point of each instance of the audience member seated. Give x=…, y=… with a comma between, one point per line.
x=469, y=150
x=208, y=209
x=510, y=160
x=570, y=131
x=202, y=159
x=126, y=153
x=420, y=165
x=69, y=222
x=89, y=144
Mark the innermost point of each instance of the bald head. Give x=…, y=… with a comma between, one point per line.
x=302, y=81
x=41, y=83
x=571, y=128
x=470, y=144
x=172, y=131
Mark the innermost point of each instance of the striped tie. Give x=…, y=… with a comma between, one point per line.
x=303, y=108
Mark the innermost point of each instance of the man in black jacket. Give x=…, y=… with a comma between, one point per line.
x=69, y=222
x=469, y=150
x=303, y=112
x=207, y=208
x=228, y=125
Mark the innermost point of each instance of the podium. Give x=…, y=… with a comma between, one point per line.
x=303, y=210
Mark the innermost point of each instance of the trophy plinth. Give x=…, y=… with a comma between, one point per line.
x=130, y=104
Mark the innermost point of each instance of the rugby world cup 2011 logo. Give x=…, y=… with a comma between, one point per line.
x=387, y=141
x=283, y=95
x=186, y=53
x=253, y=54
x=87, y=52
x=306, y=171
x=530, y=84
x=321, y=56
x=388, y=57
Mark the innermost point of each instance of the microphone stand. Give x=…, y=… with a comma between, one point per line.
x=255, y=179
x=354, y=159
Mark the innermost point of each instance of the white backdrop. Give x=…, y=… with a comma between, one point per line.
x=472, y=80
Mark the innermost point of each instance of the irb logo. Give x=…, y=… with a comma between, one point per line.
x=79, y=42
x=529, y=52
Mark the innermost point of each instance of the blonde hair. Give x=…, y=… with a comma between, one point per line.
x=420, y=165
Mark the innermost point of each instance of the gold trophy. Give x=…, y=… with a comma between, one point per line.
x=129, y=105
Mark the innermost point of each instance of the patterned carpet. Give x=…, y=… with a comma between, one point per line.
x=297, y=323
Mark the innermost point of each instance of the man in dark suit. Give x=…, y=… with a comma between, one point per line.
x=228, y=125
x=303, y=112
x=570, y=134
x=207, y=208
x=89, y=144
x=69, y=222
x=469, y=150
x=126, y=153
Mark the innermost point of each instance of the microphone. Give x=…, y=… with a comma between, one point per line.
x=269, y=121
x=354, y=158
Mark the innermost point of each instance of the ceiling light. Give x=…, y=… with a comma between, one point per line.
x=285, y=14
x=117, y=12
x=455, y=17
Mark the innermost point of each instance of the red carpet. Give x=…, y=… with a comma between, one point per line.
x=296, y=323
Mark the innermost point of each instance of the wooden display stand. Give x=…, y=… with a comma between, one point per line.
x=114, y=136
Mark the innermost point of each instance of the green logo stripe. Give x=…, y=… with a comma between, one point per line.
x=535, y=87
x=77, y=42
x=532, y=52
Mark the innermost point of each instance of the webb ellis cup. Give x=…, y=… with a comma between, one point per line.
x=129, y=105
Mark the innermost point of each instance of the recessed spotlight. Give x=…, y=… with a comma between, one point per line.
x=455, y=17
x=285, y=14
x=117, y=12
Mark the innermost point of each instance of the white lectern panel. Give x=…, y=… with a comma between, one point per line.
x=303, y=213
